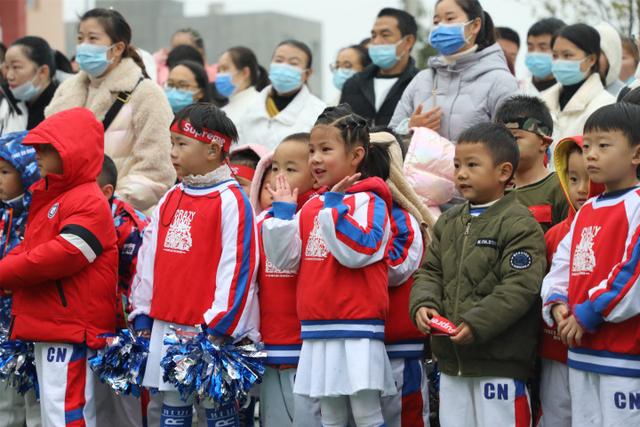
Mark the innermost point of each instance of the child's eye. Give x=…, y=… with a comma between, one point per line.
x=604, y=145
x=290, y=170
x=473, y=165
x=573, y=180
x=456, y=165
x=326, y=149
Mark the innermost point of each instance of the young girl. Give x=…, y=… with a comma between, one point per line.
x=337, y=243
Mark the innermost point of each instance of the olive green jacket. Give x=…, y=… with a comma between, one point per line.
x=485, y=271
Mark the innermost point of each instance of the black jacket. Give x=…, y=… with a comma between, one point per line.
x=359, y=93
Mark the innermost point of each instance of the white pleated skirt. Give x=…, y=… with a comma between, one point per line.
x=342, y=367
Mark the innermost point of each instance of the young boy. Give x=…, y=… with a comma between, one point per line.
x=244, y=161
x=63, y=273
x=591, y=292
x=279, y=323
x=199, y=256
x=537, y=188
x=483, y=272
x=18, y=171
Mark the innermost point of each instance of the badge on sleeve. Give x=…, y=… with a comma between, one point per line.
x=521, y=260
x=53, y=211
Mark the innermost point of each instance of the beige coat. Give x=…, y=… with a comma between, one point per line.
x=138, y=139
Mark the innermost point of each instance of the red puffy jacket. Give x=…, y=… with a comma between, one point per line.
x=65, y=272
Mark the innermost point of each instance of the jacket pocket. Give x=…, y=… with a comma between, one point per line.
x=63, y=298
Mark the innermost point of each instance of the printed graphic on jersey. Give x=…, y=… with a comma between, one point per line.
x=273, y=271
x=316, y=247
x=53, y=211
x=584, y=259
x=178, y=238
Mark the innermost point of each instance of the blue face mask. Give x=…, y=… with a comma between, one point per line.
x=448, y=38
x=224, y=84
x=384, y=55
x=26, y=91
x=178, y=98
x=341, y=75
x=285, y=78
x=92, y=58
x=539, y=64
x=567, y=72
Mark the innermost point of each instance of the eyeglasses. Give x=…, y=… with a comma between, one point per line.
x=335, y=65
x=181, y=86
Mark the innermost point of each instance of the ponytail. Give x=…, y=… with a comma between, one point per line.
x=132, y=53
x=377, y=162
x=263, y=78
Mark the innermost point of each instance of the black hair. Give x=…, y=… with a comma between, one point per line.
x=109, y=173
x=524, y=106
x=548, y=26
x=206, y=115
x=621, y=117
x=355, y=132
x=118, y=30
x=406, y=22
x=246, y=157
x=629, y=44
x=299, y=136
x=497, y=139
x=507, y=33
x=632, y=97
x=363, y=53
x=3, y=51
x=184, y=52
x=299, y=45
x=195, y=35
x=585, y=37
x=37, y=50
x=487, y=35
x=244, y=57
x=200, y=74
x=62, y=62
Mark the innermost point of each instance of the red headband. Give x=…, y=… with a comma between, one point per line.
x=207, y=136
x=243, y=171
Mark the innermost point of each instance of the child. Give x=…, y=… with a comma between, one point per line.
x=186, y=275
x=537, y=188
x=18, y=171
x=483, y=272
x=337, y=243
x=591, y=291
x=409, y=407
x=244, y=160
x=280, y=327
x=554, y=381
x=260, y=196
x=63, y=273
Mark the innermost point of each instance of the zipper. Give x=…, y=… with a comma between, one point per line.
x=63, y=299
x=455, y=307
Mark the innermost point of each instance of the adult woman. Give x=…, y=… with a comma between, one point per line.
x=286, y=106
x=579, y=91
x=137, y=137
x=29, y=86
x=239, y=79
x=187, y=83
x=466, y=83
x=350, y=60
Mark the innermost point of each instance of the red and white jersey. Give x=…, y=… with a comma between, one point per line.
x=338, y=245
x=198, y=261
x=402, y=338
x=596, y=271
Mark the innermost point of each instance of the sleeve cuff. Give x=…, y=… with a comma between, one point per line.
x=283, y=210
x=332, y=199
x=142, y=322
x=556, y=299
x=587, y=316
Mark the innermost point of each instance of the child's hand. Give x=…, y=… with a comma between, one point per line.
x=570, y=331
x=423, y=318
x=346, y=182
x=463, y=335
x=282, y=192
x=559, y=312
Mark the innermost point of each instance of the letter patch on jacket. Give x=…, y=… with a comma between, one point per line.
x=487, y=243
x=178, y=238
x=316, y=247
x=584, y=259
x=521, y=260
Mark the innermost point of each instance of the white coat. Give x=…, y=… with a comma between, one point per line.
x=239, y=103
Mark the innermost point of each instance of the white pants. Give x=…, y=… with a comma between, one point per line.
x=555, y=397
x=66, y=385
x=604, y=400
x=116, y=410
x=410, y=406
x=17, y=410
x=483, y=401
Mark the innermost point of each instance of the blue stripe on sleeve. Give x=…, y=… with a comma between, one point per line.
x=366, y=238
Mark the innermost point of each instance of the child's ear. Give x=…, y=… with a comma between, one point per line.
x=357, y=155
x=505, y=171
x=636, y=156
x=546, y=143
x=108, y=191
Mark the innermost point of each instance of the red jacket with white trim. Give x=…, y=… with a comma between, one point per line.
x=338, y=244
x=596, y=271
x=198, y=261
x=64, y=274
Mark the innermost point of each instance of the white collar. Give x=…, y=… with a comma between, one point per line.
x=216, y=176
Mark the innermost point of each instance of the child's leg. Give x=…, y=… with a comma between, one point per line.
x=620, y=400
x=392, y=405
x=11, y=407
x=113, y=409
x=502, y=402
x=306, y=411
x=366, y=409
x=410, y=406
x=335, y=411
x=32, y=408
x=456, y=401
x=586, y=407
x=276, y=398
x=224, y=416
x=175, y=411
x=66, y=385
x=555, y=396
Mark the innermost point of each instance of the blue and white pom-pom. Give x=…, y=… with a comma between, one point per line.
x=224, y=373
x=122, y=362
x=17, y=362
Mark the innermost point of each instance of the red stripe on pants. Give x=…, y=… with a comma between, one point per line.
x=74, y=398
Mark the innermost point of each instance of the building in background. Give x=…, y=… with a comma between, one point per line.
x=42, y=18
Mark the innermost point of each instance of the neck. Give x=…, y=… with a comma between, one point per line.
x=285, y=95
x=622, y=184
x=531, y=175
x=543, y=79
x=486, y=201
x=400, y=66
